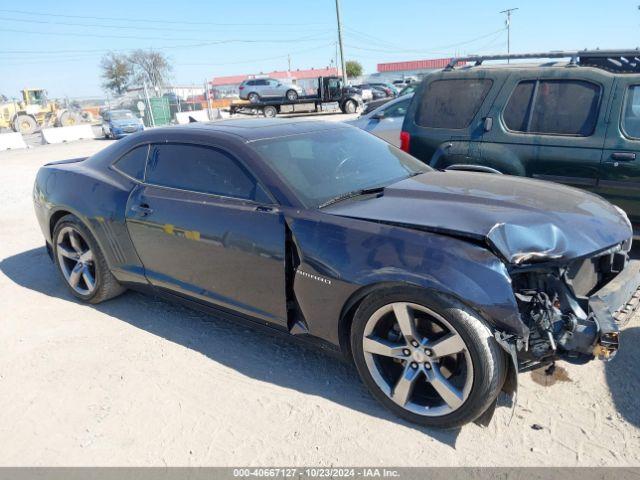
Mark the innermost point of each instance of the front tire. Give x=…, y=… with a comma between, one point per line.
x=25, y=124
x=292, y=95
x=81, y=263
x=427, y=358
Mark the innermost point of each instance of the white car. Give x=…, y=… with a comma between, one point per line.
x=256, y=89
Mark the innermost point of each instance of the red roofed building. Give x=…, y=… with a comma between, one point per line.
x=413, y=65
x=228, y=85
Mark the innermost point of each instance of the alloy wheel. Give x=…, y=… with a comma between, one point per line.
x=417, y=359
x=76, y=261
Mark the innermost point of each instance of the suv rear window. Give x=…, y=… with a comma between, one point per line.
x=452, y=103
x=560, y=107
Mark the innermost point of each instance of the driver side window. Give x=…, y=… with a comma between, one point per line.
x=203, y=170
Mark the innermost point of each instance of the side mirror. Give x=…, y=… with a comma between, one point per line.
x=487, y=125
x=378, y=116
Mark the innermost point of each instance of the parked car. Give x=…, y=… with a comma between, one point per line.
x=389, y=88
x=265, y=88
x=374, y=104
x=575, y=122
x=379, y=91
x=385, y=121
x=439, y=285
x=120, y=123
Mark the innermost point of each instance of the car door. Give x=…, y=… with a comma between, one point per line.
x=386, y=122
x=204, y=228
x=620, y=170
x=549, y=125
x=275, y=89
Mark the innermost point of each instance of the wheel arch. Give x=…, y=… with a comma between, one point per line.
x=62, y=212
x=353, y=302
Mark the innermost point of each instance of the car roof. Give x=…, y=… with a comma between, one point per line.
x=253, y=129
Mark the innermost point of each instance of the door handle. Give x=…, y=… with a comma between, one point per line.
x=264, y=208
x=623, y=156
x=142, y=209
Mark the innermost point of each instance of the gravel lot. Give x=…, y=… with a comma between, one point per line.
x=137, y=381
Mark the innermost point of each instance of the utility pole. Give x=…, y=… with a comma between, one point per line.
x=344, y=72
x=508, y=23
x=289, y=61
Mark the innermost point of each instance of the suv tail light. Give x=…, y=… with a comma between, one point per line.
x=241, y=87
x=405, y=138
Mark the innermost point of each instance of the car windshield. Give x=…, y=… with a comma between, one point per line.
x=324, y=165
x=121, y=115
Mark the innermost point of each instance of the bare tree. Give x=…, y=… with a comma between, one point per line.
x=150, y=66
x=116, y=72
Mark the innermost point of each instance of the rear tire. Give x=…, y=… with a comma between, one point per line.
x=78, y=255
x=270, y=111
x=68, y=119
x=25, y=124
x=350, y=106
x=475, y=371
x=253, y=97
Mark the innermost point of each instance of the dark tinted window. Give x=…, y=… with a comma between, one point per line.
x=565, y=107
x=133, y=163
x=250, y=82
x=261, y=82
x=452, y=103
x=631, y=118
x=516, y=113
x=199, y=169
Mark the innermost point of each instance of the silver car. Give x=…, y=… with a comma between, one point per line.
x=257, y=89
x=386, y=121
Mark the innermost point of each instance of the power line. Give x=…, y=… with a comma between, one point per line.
x=437, y=50
x=131, y=37
x=126, y=27
x=147, y=20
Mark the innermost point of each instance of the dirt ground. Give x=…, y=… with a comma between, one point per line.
x=138, y=381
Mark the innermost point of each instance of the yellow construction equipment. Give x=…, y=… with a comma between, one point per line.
x=35, y=110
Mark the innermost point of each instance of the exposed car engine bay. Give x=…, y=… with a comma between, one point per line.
x=563, y=307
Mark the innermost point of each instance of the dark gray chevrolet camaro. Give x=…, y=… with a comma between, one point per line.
x=440, y=285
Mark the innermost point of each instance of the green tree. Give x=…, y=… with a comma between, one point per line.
x=353, y=68
x=116, y=72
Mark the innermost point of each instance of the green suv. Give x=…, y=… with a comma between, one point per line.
x=573, y=120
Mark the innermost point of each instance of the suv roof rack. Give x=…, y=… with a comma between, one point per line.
x=618, y=61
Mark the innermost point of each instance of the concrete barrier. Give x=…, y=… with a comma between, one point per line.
x=199, y=115
x=67, y=134
x=11, y=141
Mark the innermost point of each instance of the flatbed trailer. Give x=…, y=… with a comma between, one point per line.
x=331, y=96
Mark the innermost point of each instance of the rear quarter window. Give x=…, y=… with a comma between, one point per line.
x=133, y=162
x=452, y=103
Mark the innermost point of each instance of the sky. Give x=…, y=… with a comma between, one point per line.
x=57, y=45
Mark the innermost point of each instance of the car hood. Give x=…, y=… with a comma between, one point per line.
x=525, y=221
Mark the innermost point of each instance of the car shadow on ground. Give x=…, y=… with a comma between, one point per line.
x=623, y=376
x=267, y=357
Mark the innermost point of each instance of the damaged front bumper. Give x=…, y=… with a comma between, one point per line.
x=613, y=306
x=574, y=312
